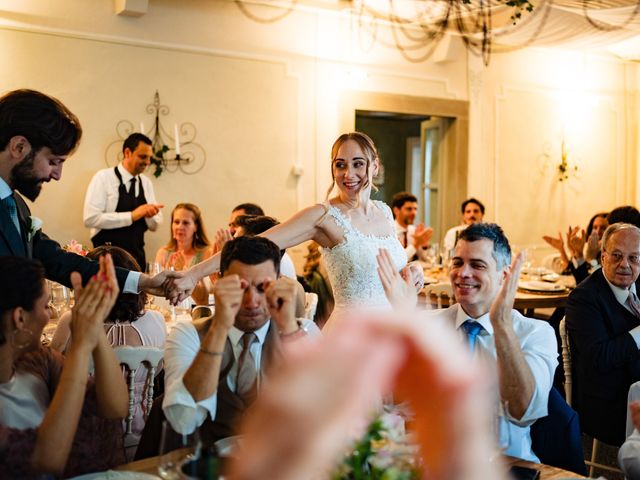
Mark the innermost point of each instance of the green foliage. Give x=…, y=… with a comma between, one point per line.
x=158, y=160
x=358, y=466
x=518, y=5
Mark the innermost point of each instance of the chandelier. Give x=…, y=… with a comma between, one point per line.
x=484, y=26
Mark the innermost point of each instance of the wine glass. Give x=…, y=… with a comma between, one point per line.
x=60, y=298
x=431, y=255
x=175, y=450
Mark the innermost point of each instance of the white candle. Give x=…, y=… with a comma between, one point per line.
x=141, y=127
x=177, y=138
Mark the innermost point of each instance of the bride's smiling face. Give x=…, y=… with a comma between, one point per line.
x=352, y=169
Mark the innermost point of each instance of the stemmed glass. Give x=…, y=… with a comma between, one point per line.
x=431, y=255
x=175, y=450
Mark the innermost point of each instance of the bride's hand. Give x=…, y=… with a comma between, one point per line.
x=400, y=289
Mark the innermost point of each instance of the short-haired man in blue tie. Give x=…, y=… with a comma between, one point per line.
x=484, y=281
x=37, y=135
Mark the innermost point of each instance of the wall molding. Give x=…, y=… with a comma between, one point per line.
x=606, y=100
x=285, y=59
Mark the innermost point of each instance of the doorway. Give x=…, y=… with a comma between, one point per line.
x=453, y=140
x=412, y=154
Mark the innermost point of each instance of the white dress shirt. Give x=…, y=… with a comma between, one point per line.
x=538, y=343
x=101, y=200
x=449, y=240
x=410, y=248
x=287, y=268
x=183, y=343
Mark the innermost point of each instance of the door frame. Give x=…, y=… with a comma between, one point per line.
x=455, y=173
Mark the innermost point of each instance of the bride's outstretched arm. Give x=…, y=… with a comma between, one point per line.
x=303, y=226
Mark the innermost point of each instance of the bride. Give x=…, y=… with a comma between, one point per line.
x=350, y=227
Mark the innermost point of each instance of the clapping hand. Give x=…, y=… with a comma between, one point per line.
x=93, y=303
x=500, y=312
x=400, y=289
x=576, y=238
x=422, y=236
x=223, y=235
x=321, y=399
x=557, y=243
x=593, y=246
x=281, y=300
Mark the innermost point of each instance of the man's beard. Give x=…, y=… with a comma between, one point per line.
x=23, y=179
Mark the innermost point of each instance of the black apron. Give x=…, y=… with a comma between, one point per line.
x=129, y=238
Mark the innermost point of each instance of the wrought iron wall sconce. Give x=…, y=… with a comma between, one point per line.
x=186, y=155
x=565, y=168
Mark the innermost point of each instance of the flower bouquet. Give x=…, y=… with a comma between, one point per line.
x=385, y=452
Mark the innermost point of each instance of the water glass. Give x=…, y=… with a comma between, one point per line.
x=175, y=450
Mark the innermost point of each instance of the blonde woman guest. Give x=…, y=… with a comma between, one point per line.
x=188, y=246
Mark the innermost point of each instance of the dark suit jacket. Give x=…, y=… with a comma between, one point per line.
x=605, y=357
x=58, y=263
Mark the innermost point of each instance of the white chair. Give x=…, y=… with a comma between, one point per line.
x=133, y=358
x=443, y=293
x=566, y=366
x=310, y=305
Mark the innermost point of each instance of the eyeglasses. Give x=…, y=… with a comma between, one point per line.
x=617, y=257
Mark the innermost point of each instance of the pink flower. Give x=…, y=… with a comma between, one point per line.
x=76, y=247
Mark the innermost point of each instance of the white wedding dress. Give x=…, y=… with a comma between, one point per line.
x=352, y=266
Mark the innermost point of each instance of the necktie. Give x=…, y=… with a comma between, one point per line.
x=10, y=204
x=247, y=375
x=472, y=328
x=403, y=239
x=634, y=304
x=132, y=188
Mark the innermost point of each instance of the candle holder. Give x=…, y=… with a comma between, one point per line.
x=187, y=155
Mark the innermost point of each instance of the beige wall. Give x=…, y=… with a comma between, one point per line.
x=266, y=97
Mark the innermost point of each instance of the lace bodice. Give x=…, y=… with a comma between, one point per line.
x=352, y=265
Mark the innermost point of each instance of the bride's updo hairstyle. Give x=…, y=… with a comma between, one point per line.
x=366, y=145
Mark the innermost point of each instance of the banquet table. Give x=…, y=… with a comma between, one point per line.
x=526, y=302
x=547, y=472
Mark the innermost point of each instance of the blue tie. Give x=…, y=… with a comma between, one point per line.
x=10, y=204
x=472, y=328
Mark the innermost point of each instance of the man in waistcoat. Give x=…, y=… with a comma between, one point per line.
x=120, y=204
x=214, y=366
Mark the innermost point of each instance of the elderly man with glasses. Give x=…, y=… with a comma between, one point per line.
x=603, y=320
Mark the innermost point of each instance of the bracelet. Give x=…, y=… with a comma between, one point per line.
x=209, y=352
x=300, y=332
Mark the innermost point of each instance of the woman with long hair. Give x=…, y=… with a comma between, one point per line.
x=350, y=227
x=53, y=418
x=188, y=245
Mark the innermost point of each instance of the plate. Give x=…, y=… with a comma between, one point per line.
x=550, y=277
x=538, y=286
x=117, y=475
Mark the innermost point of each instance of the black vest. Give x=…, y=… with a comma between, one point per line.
x=129, y=238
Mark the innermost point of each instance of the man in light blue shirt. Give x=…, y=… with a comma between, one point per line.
x=522, y=349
